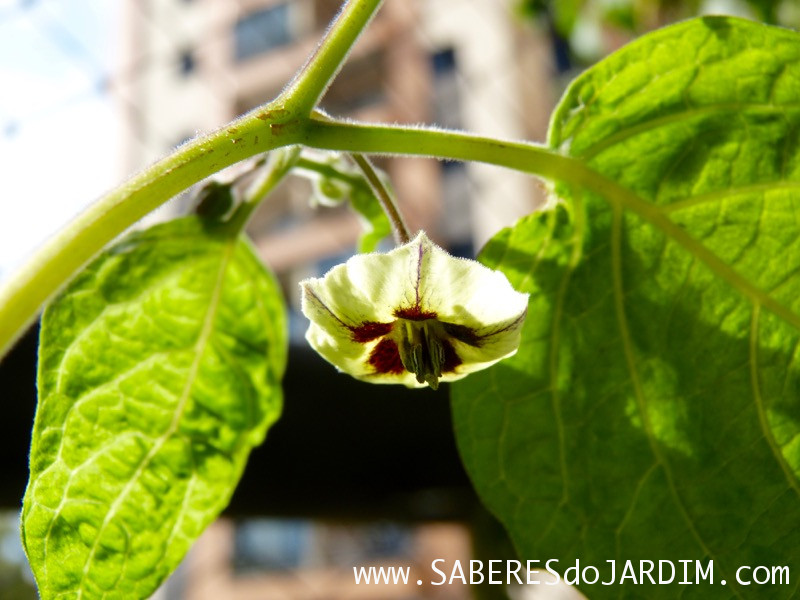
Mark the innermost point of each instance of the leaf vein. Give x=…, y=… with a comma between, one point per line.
x=759, y=402
x=616, y=260
x=725, y=194
x=202, y=340
x=681, y=117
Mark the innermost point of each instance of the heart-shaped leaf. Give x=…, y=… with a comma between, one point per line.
x=653, y=410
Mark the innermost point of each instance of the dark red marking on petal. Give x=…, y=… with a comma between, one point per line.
x=370, y=330
x=463, y=334
x=414, y=313
x=385, y=358
x=451, y=358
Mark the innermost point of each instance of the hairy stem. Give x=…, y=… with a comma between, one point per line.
x=64, y=254
x=258, y=131
x=536, y=160
x=348, y=136
x=329, y=171
x=276, y=124
x=278, y=165
x=305, y=91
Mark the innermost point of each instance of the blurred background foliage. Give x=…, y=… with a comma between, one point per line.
x=591, y=28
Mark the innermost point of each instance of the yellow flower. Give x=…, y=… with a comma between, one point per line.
x=415, y=315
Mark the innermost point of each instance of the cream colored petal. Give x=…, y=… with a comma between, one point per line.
x=333, y=338
x=353, y=358
x=405, y=378
x=490, y=343
x=478, y=358
x=467, y=293
x=329, y=334
x=340, y=351
x=370, y=287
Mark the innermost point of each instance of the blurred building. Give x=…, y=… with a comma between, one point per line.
x=288, y=560
x=192, y=65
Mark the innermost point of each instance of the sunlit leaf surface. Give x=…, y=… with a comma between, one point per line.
x=653, y=409
x=159, y=370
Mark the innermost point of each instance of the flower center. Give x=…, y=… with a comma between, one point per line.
x=423, y=347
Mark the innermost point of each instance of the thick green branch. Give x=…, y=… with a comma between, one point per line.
x=536, y=160
x=274, y=125
x=64, y=254
x=365, y=138
x=305, y=91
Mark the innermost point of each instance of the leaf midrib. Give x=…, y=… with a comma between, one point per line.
x=621, y=198
x=202, y=341
x=630, y=360
x=726, y=193
x=759, y=402
x=617, y=195
x=682, y=116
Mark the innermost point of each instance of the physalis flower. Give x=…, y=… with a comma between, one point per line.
x=415, y=315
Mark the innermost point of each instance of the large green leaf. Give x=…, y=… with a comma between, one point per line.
x=159, y=370
x=653, y=410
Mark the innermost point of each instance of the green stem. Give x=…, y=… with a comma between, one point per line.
x=536, y=160
x=63, y=255
x=256, y=132
x=455, y=145
x=385, y=199
x=276, y=124
x=384, y=195
x=329, y=171
x=309, y=85
x=279, y=162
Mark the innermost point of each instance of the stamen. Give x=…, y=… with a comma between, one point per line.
x=422, y=352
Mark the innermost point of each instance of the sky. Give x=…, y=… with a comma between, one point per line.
x=59, y=137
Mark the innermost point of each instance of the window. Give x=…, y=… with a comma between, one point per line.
x=457, y=187
x=444, y=62
x=446, y=96
x=262, y=31
x=360, y=84
x=186, y=62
